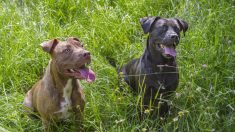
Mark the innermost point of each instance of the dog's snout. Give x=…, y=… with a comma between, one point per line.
x=174, y=36
x=86, y=54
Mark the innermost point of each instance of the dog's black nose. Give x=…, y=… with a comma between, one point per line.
x=86, y=54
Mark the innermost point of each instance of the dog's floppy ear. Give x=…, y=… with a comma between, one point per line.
x=48, y=46
x=147, y=22
x=183, y=25
x=73, y=39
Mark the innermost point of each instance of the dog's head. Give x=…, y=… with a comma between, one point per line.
x=164, y=33
x=70, y=58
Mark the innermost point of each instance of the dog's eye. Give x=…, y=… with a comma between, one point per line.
x=67, y=50
x=176, y=29
x=164, y=27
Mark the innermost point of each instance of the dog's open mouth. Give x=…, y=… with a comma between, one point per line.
x=82, y=73
x=169, y=51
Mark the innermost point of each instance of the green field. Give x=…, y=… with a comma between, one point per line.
x=110, y=30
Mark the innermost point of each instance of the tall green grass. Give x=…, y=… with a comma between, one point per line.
x=204, y=100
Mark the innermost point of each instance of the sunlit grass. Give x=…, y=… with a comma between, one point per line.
x=204, y=100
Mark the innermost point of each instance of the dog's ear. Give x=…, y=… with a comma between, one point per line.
x=183, y=25
x=147, y=22
x=73, y=39
x=48, y=46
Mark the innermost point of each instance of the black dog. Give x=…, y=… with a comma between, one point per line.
x=154, y=75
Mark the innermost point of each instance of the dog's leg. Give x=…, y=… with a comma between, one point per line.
x=162, y=107
x=28, y=103
x=79, y=117
x=46, y=125
x=78, y=101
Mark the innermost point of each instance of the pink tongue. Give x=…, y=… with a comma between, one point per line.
x=170, y=51
x=88, y=74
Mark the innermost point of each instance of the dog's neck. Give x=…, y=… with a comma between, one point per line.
x=58, y=79
x=155, y=57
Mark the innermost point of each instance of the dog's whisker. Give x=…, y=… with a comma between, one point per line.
x=154, y=73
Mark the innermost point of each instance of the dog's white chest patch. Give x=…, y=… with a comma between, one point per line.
x=66, y=105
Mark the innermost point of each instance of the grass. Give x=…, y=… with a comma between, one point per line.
x=204, y=100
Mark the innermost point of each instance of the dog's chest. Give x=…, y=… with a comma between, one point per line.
x=66, y=104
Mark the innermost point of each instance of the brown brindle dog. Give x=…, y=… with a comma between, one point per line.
x=58, y=94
